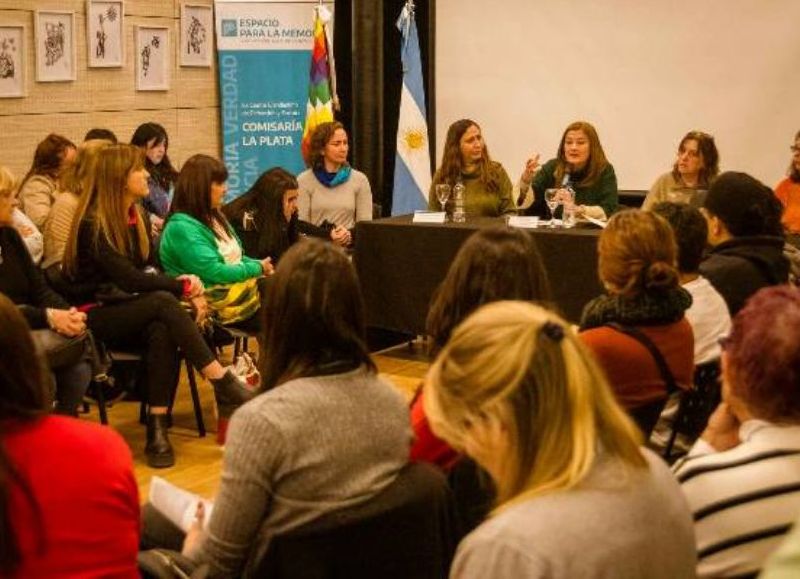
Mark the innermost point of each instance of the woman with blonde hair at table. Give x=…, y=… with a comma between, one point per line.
x=576, y=495
x=580, y=164
x=466, y=160
x=696, y=165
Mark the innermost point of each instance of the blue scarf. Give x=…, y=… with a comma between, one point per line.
x=331, y=180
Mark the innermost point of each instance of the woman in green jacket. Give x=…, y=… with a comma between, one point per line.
x=197, y=239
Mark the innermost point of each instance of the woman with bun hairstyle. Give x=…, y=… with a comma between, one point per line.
x=637, y=266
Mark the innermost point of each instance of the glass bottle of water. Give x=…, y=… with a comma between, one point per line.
x=459, y=215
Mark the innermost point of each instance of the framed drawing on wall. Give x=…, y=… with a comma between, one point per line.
x=12, y=61
x=105, y=38
x=197, y=33
x=54, y=33
x=152, y=58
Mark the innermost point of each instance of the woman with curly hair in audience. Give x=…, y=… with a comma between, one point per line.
x=66, y=485
x=466, y=160
x=132, y=306
x=39, y=186
x=516, y=390
x=641, y=318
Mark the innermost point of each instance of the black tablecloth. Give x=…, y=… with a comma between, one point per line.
x=401, y=263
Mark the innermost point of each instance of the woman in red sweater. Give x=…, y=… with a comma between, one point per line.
x=494, y=264
x=69, y=504
x=637, y=265
x=788, y=191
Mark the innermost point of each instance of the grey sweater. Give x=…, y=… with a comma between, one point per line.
x=341, y=205
x=306, y=448
x=618, y=523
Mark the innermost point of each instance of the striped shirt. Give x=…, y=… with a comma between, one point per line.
x=743, y=500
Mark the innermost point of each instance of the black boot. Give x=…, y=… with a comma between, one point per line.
x=230, y=393
x=158, y=450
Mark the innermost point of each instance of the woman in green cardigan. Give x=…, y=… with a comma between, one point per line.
x=197, y=239
x=466, y=160
x=580, y=164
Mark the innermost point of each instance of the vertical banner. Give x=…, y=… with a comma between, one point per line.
x=264, y=52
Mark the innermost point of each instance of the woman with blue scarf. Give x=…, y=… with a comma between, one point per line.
x=333, y=194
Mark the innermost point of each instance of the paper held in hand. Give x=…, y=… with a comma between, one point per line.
x=177, y=504
x=429, y=217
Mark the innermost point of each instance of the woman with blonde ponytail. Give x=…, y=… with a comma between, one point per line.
x=639, y=323
x=516, y=390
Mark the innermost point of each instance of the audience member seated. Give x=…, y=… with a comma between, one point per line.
x=132, y=306
x=788, y=191
x=333, y=195
x=77, y=178
x=37, y=192
x=153, y=140
x=696, y=166
x=515, y=389
x=580, y=165
x=198, y=240
x=326, y=435
x=708, y=315
x=494, y=264
x=24, y=284
x=746, y=235
x=69, y=504
x=30, y=234
x=741, y=478
x=466, y=160
x=646, y=305
x=266, y=217
x=101, y=134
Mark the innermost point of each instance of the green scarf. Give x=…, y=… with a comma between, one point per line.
x=646, y=309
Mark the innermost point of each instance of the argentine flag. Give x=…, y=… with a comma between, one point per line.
x=412, y=166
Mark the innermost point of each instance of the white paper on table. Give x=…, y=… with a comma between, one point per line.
x=429, y=217
x=523, y=222
x=598, y=222
x=177, y=504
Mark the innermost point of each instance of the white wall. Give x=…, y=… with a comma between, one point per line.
x=644, y=72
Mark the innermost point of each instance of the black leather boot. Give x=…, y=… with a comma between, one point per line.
x=158, y=450
x=230, y=393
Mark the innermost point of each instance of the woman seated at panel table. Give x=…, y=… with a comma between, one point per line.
x=696, y=165
x=580, y=164
x=788, y=191
x=466, y=160
x=333, y=194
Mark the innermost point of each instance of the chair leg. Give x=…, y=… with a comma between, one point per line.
x=198, y=409
x=101, y=402
x=237, y=347
x=143, y=412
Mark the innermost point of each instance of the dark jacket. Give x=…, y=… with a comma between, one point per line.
x=107, y=275
x=23, y=282
x=739, y=267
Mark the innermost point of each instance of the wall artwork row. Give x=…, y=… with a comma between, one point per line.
x=55, y=46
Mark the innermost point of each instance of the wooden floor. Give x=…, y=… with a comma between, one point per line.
x=199, y=460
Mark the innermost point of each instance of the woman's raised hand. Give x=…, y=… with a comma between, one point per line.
x=531, y=166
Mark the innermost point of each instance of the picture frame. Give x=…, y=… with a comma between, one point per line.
x=152, y=58
x=12, y=61
x=56, y=49
x=105, y=33
x=197, y=35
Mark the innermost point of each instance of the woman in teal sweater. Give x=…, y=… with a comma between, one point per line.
x=197, y=239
